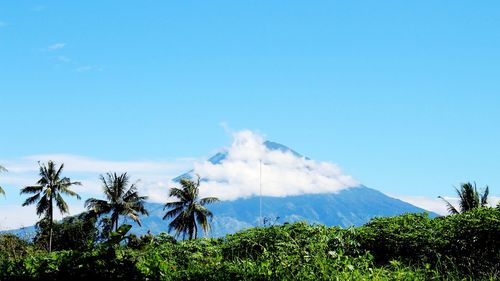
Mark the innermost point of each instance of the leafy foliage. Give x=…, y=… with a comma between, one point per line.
x=72, y=233
x=408, y=247
x=468, y=242
x=118, y=236
x=12, y=246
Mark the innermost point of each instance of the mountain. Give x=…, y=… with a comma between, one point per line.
x=348, y=206
x=353, y=206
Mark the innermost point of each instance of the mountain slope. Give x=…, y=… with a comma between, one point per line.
x=350, y=207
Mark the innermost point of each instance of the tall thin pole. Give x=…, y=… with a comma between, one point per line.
x=260, y=183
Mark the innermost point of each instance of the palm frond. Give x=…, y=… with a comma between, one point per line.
x=208, y=200
x=31, y=200
x=65, y=190
x=484, y=197
x=2, y=169
x=42, y=205
x=61, y=204
x=31, y=189
x=202, y=219
x=99, y=206
x=449, y=206
x=173, y=212
x=178, y=193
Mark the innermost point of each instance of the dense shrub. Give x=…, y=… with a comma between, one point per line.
x=72, y=233
x=13, y=247
x=408, y=247
x=468, y=242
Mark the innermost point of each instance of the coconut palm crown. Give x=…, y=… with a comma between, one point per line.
x=188, y=212
x=50, y=187
x=469, y=198
x=122, y=199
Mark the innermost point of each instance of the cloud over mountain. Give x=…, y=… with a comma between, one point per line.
x=284, y=172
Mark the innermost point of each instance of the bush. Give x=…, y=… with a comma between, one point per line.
x=12, y=247
x=72, y=233
x=407, y=247
x=468, y=242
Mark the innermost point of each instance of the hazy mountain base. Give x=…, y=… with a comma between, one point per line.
x=349, y=207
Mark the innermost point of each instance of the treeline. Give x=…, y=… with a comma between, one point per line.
x=188, y=213
x=408, y=247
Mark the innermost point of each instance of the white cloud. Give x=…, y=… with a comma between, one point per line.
x=155, y=180
x=63, y=59
x=75, y=163
x=436, y=204
x=88, y=68
x=283, y=173
x=16, y=216
x=56, y=46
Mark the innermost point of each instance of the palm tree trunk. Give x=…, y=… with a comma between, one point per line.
x=114, y=219
x=50, y=223
x=195, y=230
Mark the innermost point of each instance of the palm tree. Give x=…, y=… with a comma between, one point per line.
x=122, y=199
x=189, y=211
x=470, y=198
x=2, y=169
x=49, y=189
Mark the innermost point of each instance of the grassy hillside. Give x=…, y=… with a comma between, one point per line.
x=407, y=247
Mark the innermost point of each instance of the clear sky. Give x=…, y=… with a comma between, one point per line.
x=403, y=95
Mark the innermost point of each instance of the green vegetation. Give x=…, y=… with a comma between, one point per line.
x=49, y=189
x=408, y=247
x=189, y=211
x=122, y=200
x=462, y=246
x=78, y=232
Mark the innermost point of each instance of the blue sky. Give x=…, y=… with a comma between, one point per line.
x=403, y=95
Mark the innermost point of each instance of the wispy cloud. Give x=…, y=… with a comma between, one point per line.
x=63, y=59
x=154, y=180
x=437, y=205
x=56, y=46
x=24, y=171
x=15, y=216
x=89, y=68
x=3, y=24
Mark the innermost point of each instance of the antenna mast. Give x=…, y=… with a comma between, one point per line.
x=260, y=200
